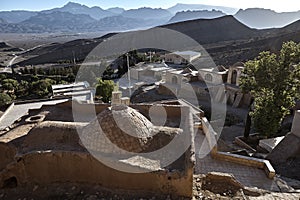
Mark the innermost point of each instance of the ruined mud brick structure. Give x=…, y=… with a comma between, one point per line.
x=48, y=146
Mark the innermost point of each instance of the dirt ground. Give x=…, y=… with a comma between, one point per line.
x=95, y=192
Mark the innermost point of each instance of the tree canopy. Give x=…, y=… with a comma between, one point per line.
x=274, y=82
x=42, y=88
x=4, y=99
x=104, y=88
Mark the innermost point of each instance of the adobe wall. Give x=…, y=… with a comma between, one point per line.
x=7, y=154
x=63, y=112
x=53, y=167
x=173, y=112
x=169, y=78
x=216, y=78
x=51, y=153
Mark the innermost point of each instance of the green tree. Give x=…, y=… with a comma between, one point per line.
x=273, y=81
x=4, y=99
x=104, y=88
x=42, y=88
x=9, y=84
x=11, y=81
x=2, y=76
x=23, y=89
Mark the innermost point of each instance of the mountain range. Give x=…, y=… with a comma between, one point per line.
x=265, y=18
x=226, y=39
x=74, y=17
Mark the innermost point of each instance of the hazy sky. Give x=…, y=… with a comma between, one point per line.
x=278, y=5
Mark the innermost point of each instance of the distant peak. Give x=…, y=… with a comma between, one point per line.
x=73, y=4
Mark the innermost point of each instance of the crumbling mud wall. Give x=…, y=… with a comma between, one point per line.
x=7, y=154
x=52, y=152
x=63, y=166
x=170, y=114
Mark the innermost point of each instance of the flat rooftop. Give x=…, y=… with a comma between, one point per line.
x=17, y=110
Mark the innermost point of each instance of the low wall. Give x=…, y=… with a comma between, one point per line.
x=89, y=108
x=248, y=161
x=243, y=160
x=173, y=112
x=86, y=112
x=51, y=153
x=55, y=167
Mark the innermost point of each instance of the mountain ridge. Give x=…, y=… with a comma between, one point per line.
x=266, y=18
x=76, y=8
x=226, y=40
x=140, y=18
x=212, y=30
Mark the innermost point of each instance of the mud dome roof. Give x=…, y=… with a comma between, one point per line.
x=126, y=128
x=121, y=128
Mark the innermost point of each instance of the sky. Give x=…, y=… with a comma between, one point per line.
x=277, y=5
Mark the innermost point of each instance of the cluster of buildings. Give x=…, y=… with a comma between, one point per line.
x=173, y=76
x=60, y=140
